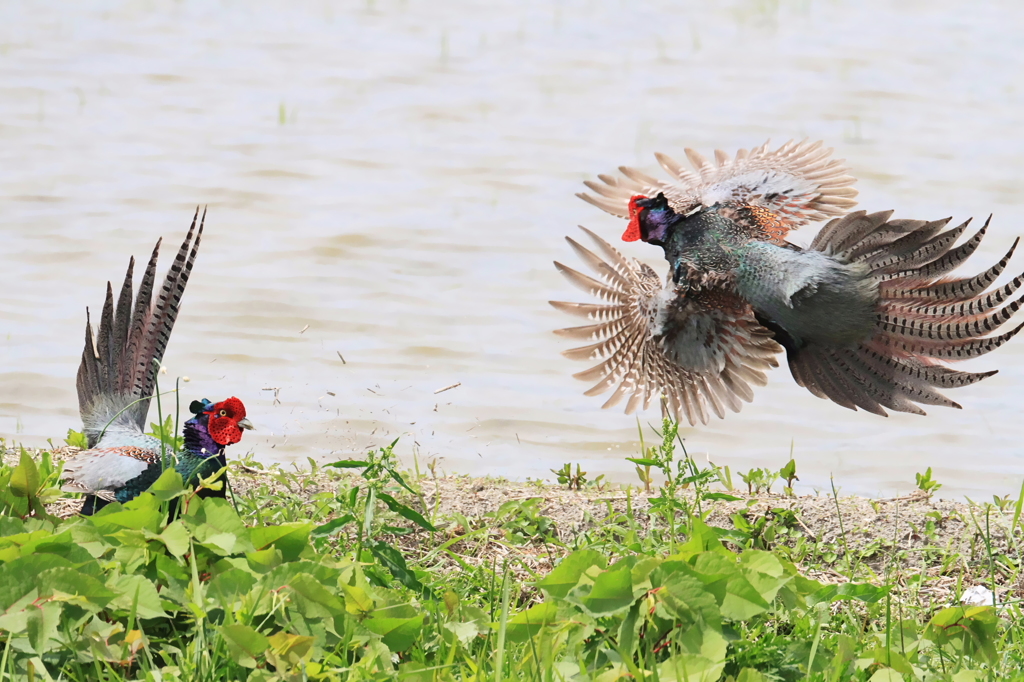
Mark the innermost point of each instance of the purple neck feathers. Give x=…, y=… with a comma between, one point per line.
x=198, y=440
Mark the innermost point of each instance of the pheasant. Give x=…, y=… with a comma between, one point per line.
x=116, y=380
x=867, y=314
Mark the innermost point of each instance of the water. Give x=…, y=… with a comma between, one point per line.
x=395, y=179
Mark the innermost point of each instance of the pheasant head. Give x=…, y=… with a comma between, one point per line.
x=215, y=426
x=650, y=219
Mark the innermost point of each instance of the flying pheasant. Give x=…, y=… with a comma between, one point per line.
x=115, y=384
x=867, y=313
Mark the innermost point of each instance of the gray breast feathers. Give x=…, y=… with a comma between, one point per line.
x=811, y=295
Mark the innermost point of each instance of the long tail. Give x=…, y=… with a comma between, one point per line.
x=119, y=366
x=923, y=316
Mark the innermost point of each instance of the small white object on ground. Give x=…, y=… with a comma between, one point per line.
x=977, y=595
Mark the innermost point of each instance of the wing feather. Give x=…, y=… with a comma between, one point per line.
x=700, y=353
x=800, y=181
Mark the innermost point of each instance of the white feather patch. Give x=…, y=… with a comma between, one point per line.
x=96, y=470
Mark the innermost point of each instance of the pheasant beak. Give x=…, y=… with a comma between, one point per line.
x=246, y=424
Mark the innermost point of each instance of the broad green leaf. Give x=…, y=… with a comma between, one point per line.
x=765, y=572
x=288, y=651
x=683, y=597
x=26, y=543
x=701, y=659
x=90, y=538
x=67, y=581
x=9, y=525
x=612, y=591
x=762, y=562
x=25, y=478
x=21, y=576
x=224, y=544
x=281, y=575
x=216, y=524
x=41, y=625
x=890, y=659
x=398, y=633
x=703, y=538
x=642, y=574
x=169, y=570
x=313, y=592
x=291, y=538
x=15, y=622
x=175, y=537
x=628, y=639
x=357, y=601
x=742, y=601
x=145, y=501
x=567, y=573
x=528, y=623
x=63, y=545
x=244, y=644
x=168, y=486
x=230, y=586
x=138, y=592
x=265, y=560
x=136, y=519
x=392, y=605
x=973, y=630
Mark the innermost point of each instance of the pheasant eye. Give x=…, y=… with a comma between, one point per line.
x=223, y=413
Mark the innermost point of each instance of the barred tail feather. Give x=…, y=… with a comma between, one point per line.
x=119, y=364
x=923, y=317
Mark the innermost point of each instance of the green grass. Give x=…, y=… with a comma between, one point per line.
x=352, y=572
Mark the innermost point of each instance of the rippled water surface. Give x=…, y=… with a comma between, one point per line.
x=390, y=181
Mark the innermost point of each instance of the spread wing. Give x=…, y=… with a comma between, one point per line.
x=699, y=352
x=799, y=182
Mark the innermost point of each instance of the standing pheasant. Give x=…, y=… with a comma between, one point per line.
x=115, y=384
x=867, y=313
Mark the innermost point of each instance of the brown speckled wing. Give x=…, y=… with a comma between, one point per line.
x=799, y=183
x=701, y=354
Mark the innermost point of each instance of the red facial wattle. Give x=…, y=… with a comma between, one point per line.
x=633, y=232
x=223, y=423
